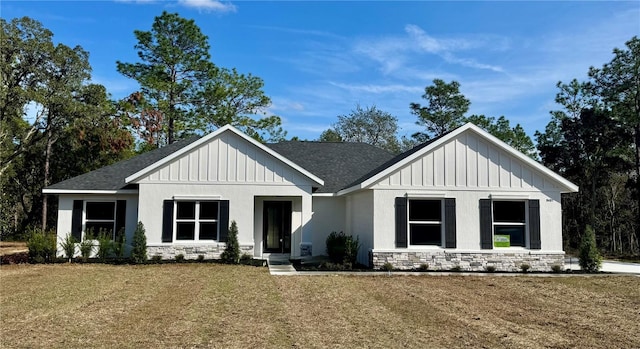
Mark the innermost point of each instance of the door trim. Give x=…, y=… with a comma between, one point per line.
x=285, y=210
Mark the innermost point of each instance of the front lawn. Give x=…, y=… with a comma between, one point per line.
x=211, y=305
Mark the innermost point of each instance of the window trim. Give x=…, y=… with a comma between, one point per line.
x=196, y=221
x=441, y=222
x=85, y=220
x=524, y=224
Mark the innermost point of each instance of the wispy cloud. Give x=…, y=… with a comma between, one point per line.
x=395, y=53
x=306, y=32
x=378, y=89
x=203, y=5
x=208, y=5
x=138, y=1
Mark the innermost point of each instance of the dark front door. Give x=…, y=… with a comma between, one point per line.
x=277, y=226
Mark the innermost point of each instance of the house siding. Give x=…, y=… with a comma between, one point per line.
x=360, y=222
x=329, y=214
x=470, y=162
x=227, y=159
x=243, y=209
x=466, y=168
x=65, y=212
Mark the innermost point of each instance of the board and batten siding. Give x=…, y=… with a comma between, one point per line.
x=467, y=161
x=226, y=159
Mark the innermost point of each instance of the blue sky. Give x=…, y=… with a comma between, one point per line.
x=319, y=59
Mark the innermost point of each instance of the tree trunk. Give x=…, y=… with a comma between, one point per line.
x=637, y=141
x=47, y=160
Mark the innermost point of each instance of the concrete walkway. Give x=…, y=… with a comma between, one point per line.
x=279, y=264
x=607, y=266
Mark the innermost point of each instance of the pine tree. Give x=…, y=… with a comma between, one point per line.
x=231, y=253
x=589, y=256
x=139, y=245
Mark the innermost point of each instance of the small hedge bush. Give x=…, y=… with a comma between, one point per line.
x=68, y=246
x=590, y=259
x=42, y=246
x=342, y=248
x=139, y=245
x=231, y=253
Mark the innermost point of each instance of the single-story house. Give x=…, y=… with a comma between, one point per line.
x=465, y=199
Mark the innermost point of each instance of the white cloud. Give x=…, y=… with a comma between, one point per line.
x=208, y=5
x=138, y=1
x=378, y=89
x=395, y=53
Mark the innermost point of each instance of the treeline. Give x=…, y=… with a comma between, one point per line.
x=594, y=141
x=56, y=124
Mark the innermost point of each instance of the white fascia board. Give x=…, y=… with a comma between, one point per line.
x=568, y=186
x=88, y=191
x=207, y=138
x=324, y=194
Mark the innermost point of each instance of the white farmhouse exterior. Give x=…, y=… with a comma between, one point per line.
x=465, y=200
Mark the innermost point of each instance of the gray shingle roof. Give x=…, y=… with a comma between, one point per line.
x=338, y=164
x=112, y=177
x=389, y=163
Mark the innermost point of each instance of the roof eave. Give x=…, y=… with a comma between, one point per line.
x=89, y=191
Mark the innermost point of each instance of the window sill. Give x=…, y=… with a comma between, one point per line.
x=513, y=248
x=425, y=247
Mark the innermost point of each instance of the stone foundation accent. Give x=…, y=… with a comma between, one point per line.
x=211, y=251
x=468, y=261
x=305, y=250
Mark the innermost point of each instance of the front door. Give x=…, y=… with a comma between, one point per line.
x=277, y=226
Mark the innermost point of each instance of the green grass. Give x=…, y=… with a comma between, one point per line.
x=223, y=306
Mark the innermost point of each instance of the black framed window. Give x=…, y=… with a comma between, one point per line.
x=509, y=223
x=196, y=220
x=425, y=222
x=100, y=217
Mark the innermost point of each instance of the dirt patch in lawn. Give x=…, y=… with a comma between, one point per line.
x=221, y=306
x=9, y=247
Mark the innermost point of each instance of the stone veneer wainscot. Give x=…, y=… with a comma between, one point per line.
x=468, y=261
x=212, y=251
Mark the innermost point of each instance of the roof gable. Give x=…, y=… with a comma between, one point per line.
x=237, y=136
x=522, y=164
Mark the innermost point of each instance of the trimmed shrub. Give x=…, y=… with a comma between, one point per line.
x=139, y=245
x=246, y=258
x=231, y=253
x=490, y=268
x=387, y=267
x=589, y=256
x=342, y=248
x=42, y=246
x=86, y=246
x=200, y=258
x=105, y=245
x=456, y=268
x=156, y=259
x=556, y=268
x=119, y=244
x=179, y=258
x=525, y=267
x=68, y=246
x=423, y=267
